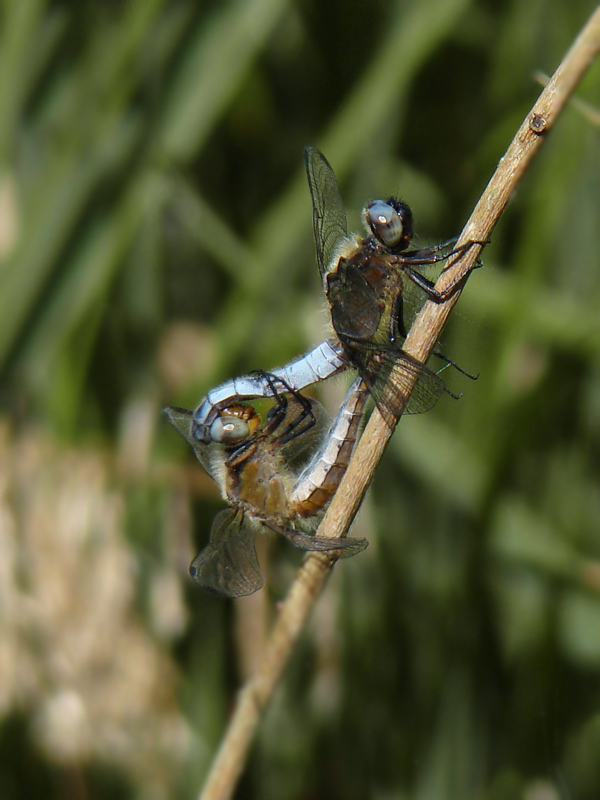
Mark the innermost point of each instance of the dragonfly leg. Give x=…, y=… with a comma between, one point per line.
x=432, y=255
x=301, y=423
x=449, y=363
x=452, y=395
x=427, y=286
x=277, y=412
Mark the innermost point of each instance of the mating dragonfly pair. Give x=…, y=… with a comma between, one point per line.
x=374, y=290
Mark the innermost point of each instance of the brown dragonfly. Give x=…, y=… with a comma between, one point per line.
x=278, y=475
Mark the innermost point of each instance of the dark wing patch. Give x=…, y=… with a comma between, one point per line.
x=329, y=215
x=355, y=311
x=228, y=565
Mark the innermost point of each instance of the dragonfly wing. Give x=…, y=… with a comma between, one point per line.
x=304, y=541
x=181, y=420
x=329, y=215
x=354, y=308
x=228, y=565
x=384, y=369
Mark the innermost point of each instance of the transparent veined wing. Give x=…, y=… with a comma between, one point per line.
x=329, y=216
x=384, y=368
x=181, y=420
x=228, y=565
x=348, y=547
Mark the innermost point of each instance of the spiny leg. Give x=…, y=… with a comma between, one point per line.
x=407, y=264
x=297, y=426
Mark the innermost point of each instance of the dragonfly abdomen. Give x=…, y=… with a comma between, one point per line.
x=319, y=481
x=321, y=362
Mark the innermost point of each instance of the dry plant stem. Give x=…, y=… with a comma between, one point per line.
x=420, y=341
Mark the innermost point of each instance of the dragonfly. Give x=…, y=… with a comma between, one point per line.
x=278, y=475
x=368, y=283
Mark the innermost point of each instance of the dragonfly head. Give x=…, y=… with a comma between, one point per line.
x=390, y=222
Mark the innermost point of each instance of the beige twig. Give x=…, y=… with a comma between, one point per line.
x=315, y=568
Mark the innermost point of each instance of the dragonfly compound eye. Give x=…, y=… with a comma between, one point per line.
x=229, y=430
x=390, y=221
x=385, y=223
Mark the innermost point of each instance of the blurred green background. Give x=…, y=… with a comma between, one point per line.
x=155, y=239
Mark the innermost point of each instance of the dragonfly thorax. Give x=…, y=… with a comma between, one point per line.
x=259, y=485
x=390, y=222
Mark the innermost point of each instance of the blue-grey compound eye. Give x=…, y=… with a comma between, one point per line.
x=384, y=222
x=229, y=430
